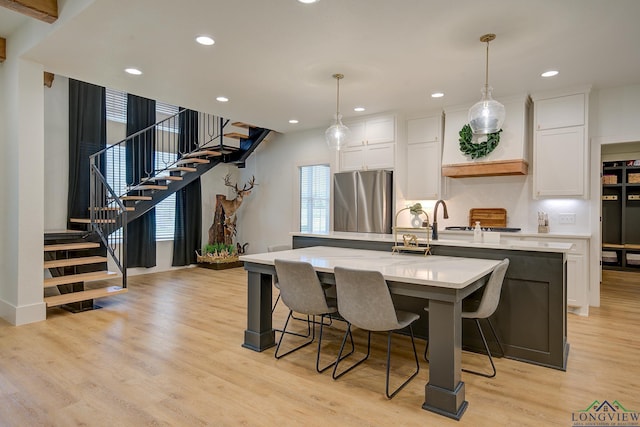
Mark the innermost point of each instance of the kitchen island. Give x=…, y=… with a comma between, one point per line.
x=531, y=319
x=444, y=281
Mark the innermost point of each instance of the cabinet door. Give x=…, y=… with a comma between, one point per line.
x=380, y=130
x=559, y=162
x=576, y=284
x=563, y=111
x=352, y=159
x=357, y=134
x=423, y=171
x=425, y=129
x=380, y=156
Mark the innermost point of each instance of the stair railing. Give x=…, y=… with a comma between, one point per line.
x=132, y=167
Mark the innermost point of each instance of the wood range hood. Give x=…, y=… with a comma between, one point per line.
x=511, y=155
x=494, y=168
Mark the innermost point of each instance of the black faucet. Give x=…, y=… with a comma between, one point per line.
x=434, y=227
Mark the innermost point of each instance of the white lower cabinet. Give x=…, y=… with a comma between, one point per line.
x=577, y=273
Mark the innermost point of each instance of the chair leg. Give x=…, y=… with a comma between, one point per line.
x=275, y=304
x=486, y=347
x=335, y=374
x=284, y=332
x=415, y=355
x=496, y=337
x=318, y=368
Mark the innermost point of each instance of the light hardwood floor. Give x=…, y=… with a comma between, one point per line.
x=169, y=353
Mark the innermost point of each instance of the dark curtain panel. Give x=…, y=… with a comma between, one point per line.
x=87, y=135
x=188, y=226
x=140, y=153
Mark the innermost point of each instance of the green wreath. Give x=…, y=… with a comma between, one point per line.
x=477, y=149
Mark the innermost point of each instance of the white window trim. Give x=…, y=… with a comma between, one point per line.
x=296, y=191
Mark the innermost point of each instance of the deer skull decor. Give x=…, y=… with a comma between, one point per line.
x=224, y=224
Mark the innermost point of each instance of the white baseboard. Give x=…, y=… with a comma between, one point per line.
x=23, y=314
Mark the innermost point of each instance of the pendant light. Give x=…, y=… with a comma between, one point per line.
x=487, y=115
x=337, y=134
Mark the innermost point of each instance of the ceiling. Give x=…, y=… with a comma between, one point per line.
x=274, y=59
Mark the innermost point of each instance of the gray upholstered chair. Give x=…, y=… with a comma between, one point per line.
x=364, y=301
x=488, y=304
x=302, y=292
x=277, y=248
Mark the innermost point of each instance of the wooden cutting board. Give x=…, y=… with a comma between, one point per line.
x=488, y=217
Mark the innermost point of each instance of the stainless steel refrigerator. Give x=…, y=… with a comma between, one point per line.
x=363, y=201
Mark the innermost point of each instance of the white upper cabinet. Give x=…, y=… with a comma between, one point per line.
x=560, y=112
x=371, y=146
x=424, y=158
x=560, y=145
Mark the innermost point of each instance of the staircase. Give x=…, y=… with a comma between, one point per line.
x=72, y=261
x=196, y=146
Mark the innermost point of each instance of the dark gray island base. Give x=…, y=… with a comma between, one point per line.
x=531, y=319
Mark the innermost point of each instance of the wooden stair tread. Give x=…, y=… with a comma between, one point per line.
x=236, y=135
x=71, y=297
x=191, y=160
x=71, y=246
x=88, y=221
x=162, y=178
x=182, y=169
x=203, y=153
x=74, y=278
x=69, y=262
x=149, y=187
x=141, y=198
x=113, y=208
x=242, y=125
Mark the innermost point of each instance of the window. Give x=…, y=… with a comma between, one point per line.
x=116, y=177
x=314, y=198
x=116, y=104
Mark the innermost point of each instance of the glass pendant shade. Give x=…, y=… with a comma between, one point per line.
x=337, y=135
x=487, y=115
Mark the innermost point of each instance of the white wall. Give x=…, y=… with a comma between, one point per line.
x=271, y=212
x=22, y=190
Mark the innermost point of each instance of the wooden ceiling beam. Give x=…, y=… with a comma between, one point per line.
x=48, y=79
x=3, y=49
x=44, y=10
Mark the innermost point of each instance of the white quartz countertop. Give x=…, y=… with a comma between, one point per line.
x=434, y=270
x=507, y=241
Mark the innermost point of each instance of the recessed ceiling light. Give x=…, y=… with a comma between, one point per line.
x=359, y=109
x=549, y=73
x=205, y=40
x=308, y=1
x=133, y=71
x=222, y=99
x=437, y=95
x=294, y=121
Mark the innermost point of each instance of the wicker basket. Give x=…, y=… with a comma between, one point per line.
x=634, y=178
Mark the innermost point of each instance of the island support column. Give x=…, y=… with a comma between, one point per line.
x=445, y=392
x=259, y=334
